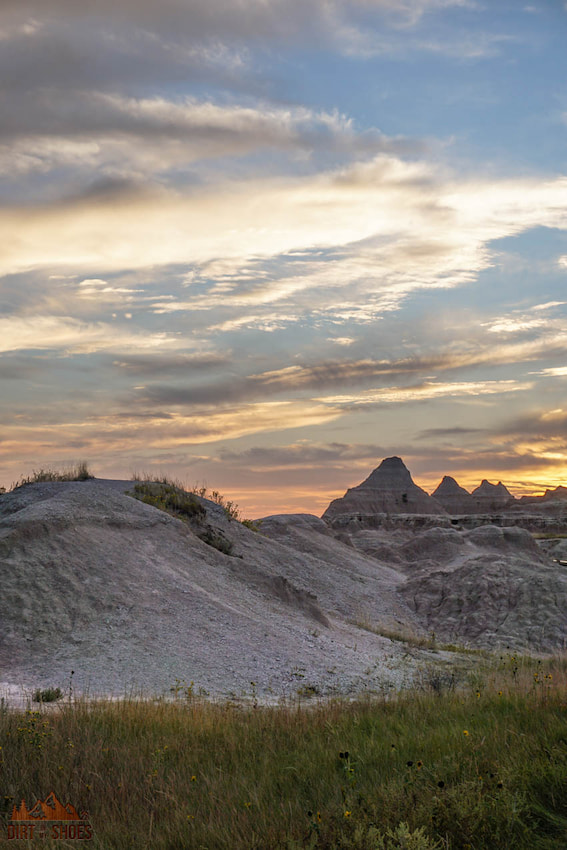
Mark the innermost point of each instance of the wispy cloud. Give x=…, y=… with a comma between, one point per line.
x=70, y=335
x=221, y=19
x=109, y=435
x=427, y=391
x=146, y=137
x=553, y=372
x=400, y=227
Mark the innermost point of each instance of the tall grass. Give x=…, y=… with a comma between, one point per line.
x=485, y=768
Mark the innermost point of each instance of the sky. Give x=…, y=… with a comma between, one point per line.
x=259, y=245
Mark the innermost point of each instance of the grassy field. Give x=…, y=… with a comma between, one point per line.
x=484, y=767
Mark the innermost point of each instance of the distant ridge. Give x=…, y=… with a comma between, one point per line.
x=390, y=491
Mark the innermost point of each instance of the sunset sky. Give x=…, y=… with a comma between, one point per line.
x=262, y=244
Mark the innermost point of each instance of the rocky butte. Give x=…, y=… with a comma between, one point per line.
x=389, y=496
x=453, y=497
x=390, y=489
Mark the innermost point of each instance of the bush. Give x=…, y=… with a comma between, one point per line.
x=47, y=695
x=217, y=541
x=177, y=502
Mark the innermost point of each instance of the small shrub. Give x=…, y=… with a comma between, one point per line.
x=400, y=838
x=231, y=509
x=308, y=691
x=82, y=472
x=47, y=695
x=217, y=541
x=174, y=500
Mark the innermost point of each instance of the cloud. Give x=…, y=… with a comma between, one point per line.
x=427, y=391
x=457, y=431
x=65, y=54
x=511, y=325
x=541, y=424
x=294, y=380
x=151, y=136
x=108, y=435
x=71, y=335
x=151, y=364
x=302, y=455
x=390, y=228
x=553, y=372
x=223, y=19
x=15, y=367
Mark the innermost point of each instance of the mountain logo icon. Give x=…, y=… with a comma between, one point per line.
x=49, y=809
x=49, y=819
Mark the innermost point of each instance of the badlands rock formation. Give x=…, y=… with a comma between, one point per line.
x=126, y=595
x=389, y=496
x=389, y=489
x=453, y=498
x=492, y=497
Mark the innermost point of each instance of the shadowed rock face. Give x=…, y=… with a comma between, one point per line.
x=390, y=489
x=560, y=493
x=454, y=498
x=492, y=497
x=503, y=591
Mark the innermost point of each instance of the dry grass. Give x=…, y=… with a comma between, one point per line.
x=79, y=472
x=417, y=641
x=485, y=767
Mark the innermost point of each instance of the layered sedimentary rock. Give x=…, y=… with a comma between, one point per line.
x=454, y=498
x=389, y=489
x=498, y=589
x=492, y=497
x=558, y=494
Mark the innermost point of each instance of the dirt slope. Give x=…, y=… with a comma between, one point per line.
x=127, y=596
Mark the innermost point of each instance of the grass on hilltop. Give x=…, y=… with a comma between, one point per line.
x=79, y=472
x=481, y=769
x=171, y=496
x=168, y=497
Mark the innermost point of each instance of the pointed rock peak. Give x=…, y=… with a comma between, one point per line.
x=487, y=489
x=391, y=474
x=450, y=487
x=390, y=489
